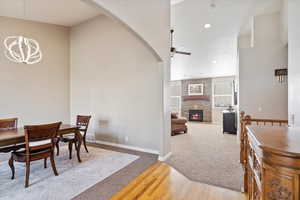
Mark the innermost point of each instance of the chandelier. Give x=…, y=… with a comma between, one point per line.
x=20, y=49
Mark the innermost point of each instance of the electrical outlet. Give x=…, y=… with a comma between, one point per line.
x=259, y=109
x=126, y=139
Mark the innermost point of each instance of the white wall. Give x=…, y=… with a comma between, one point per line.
x=284, y=21
x=150, y=22
x=149, y=19
x=294, y=61
x=36, y=93
x=260, y=93
x=117, y=80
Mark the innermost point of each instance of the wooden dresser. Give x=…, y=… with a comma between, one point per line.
x=271, y=162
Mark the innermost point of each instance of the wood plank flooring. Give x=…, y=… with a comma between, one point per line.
x=162, y=182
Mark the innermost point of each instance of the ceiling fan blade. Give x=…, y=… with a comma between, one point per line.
x=173, y=49
x=184, y=53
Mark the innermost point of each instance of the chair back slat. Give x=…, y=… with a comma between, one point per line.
x=83, y=122
x=7, y=124
x=40, y=136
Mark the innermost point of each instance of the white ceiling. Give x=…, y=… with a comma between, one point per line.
x=61, y=12
x=214, y=50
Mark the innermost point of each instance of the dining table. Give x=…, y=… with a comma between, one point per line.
x=17, y=136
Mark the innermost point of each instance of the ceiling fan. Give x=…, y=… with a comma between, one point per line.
x=174, y=50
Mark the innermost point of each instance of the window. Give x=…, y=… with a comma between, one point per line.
x=223, y=94
x=176, y=104
x=175, y=91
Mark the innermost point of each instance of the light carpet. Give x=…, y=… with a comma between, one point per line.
x=73, y=179
x=207, y=155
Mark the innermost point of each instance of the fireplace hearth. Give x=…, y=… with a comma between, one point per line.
x=196, y=115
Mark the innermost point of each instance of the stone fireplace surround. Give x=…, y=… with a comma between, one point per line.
x=203, y=104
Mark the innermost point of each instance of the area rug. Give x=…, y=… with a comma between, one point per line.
x=73, y=179
x=208, y=156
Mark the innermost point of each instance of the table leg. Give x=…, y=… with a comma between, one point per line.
x=79, y=141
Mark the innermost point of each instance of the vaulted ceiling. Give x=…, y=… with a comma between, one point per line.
x=214, y=50
x=61, y=12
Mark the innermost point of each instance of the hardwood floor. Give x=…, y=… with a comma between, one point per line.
x=162, y=182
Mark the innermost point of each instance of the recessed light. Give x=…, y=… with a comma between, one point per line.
x=214, y=62
x=207, y=25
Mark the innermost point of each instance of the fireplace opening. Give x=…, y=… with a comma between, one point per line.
x=196, y=115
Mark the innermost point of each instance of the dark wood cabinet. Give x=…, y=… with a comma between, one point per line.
x=229, y=122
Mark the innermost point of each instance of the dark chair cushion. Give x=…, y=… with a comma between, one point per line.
x=11, y=148
x=20, y=155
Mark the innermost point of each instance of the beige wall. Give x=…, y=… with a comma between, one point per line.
x=154, y=31
x=260, y=93
x=36, y=93
x=117, y=80
x=294, y=62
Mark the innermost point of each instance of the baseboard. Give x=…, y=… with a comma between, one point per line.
x=126, y=147
x=164, y=158
x=90, y=137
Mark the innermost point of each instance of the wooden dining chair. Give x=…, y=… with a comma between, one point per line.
x=9, y=124
x=83, y=123
x=39, y=144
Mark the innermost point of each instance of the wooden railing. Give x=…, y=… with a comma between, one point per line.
x=248, y=120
